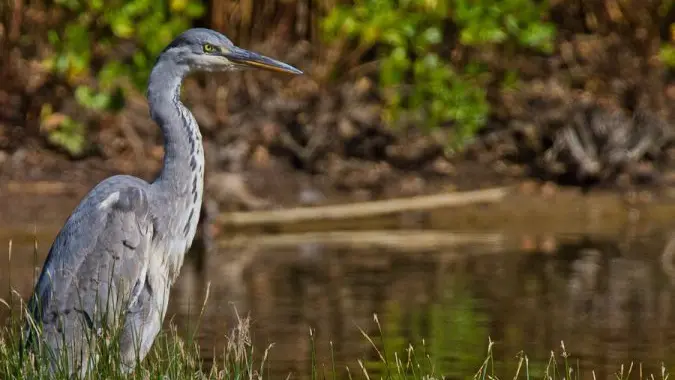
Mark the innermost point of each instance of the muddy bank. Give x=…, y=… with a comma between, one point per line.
x=526, y=208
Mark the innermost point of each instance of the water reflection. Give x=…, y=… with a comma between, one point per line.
x=609, y=298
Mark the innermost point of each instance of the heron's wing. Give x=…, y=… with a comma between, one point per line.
x=97, y=265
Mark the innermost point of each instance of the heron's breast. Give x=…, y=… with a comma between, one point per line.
x=176, y=238
x=168, y=257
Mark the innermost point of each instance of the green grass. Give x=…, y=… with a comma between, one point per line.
x=171, y=357
x=174, y=357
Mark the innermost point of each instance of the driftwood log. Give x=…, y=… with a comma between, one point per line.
x=360, y=209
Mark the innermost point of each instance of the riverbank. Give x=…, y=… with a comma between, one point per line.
x=524, y=208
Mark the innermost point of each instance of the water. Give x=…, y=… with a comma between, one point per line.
x=610, y=298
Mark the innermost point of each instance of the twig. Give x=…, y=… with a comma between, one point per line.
x=306, y=153
x=589, y=164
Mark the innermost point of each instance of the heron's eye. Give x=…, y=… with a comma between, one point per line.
x=208, y=48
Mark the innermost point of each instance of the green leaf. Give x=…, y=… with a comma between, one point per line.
x=194, y=9
x=432, y=36
x=61, y=64
x=667, y=54
x=123, y=28
x=492, y=35
x=393, y=37
x=539, y=35
x=53, y=37
x=110, y=72
x=70, y=135
x=371, y=34
x=350, y=26
x=87, y=97
x=95, y=5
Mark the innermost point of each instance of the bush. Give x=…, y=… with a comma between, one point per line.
x=414, y=40
x=114, y=42
x=99, y=30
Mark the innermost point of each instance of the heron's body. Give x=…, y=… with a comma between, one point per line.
x=118, y=254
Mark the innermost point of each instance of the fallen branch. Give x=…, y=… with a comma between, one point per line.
x=398, y=240
x=361, y=209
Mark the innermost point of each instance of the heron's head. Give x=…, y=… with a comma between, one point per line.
x=207, y=50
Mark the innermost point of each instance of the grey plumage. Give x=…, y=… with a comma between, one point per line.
x=116, y=257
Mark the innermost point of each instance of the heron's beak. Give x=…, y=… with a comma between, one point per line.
x=247, y=58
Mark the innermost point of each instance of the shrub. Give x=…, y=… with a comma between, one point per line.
x=113, y=42
x=413, y=40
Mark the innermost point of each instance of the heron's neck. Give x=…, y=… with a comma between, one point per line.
x=183, y=169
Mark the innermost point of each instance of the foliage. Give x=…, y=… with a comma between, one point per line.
x=63, y=131
x=97, y=32
x=171, y=357
x=100, y=28
x=494, y=21
x=412, y=39
x=667, y=53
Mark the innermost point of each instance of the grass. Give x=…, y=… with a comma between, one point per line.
x=174, y=357
x=171, y=357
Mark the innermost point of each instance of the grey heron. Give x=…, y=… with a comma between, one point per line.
x=118, y=254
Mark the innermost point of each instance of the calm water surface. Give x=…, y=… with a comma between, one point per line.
x=610, y=298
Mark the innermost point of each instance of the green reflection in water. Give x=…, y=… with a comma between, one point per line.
x=447, y=337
